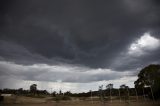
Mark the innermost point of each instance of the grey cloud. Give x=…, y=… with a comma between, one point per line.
x=43, y=72
x=11, y=51
x=137, y=61
x=86, y=32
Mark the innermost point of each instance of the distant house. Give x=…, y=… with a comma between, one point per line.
x=6, y=95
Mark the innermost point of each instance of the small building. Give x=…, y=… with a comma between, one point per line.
x=6, y=95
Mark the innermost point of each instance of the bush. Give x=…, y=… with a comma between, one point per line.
x=59, y=98
x=36, y=96
x=66, y=98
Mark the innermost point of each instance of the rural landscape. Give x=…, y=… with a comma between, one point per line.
x=145, y=93
x=79, y=52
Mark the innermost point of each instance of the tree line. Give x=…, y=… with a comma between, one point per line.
x=147, y=85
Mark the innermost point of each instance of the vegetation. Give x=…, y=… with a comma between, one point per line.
x=33, y=88
x=149, y=78
x=124, y=91
x=147, y=85
x=59, y=98
x=101, y=93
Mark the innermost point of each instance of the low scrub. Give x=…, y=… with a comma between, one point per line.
x=59, y=98
x=36, y=96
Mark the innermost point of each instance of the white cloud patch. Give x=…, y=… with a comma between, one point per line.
x=143, y=45
x=139, y=54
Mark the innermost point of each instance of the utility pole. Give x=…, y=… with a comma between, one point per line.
x=91, y=96
x=143, y=90
x=144, y=94
x=110, y=94
x=110, y=86
x=128, y=93
x=119, y=95
x=136, y=93
x=101, y=95
x=152, y=82
x=51, y=91
x=152, y=93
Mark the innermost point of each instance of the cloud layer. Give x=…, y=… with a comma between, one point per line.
x=43, y=72
x=92, y=40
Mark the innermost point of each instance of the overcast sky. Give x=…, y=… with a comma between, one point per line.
x=77, y=45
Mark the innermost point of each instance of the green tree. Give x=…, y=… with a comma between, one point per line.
x=110, y=87
x=101, y=93
x=124, y=91
x=149, y=77
x=33, y=88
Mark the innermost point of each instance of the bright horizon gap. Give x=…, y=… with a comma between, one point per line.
x=64, y=86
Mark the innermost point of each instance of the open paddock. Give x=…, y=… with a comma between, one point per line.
x=29, y=101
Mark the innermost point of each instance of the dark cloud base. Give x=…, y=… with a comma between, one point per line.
x=89, y=33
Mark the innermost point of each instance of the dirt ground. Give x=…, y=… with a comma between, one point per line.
x=83, y=104
x=28, y=101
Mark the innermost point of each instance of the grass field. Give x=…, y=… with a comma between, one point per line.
x=48, y=101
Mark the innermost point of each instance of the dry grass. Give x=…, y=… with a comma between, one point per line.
x=28, y=101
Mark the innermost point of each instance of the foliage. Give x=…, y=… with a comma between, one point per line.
x=149, y=77
x=36, y=96
x=61, y=97
x=33, y=88
x=124, y=91
x=101, y=93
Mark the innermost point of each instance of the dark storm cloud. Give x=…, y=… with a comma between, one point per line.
x=86, y=32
